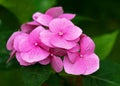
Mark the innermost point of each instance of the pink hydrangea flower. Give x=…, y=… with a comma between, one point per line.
x=49, y=38
x=83, y=62
x=62, y=34
x=50, y=14
x=29, y=47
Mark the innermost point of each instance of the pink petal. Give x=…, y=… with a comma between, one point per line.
x=45, y=61
x=36, y=15
x=75, y=68
x=35, y=55
x=35, y=34
x=45, y=37
x=33, y=23
x=85, y=66
x=21, y=61
x=92, y=64
x=28, y=27
x=57, y=25
x=44, y=19
x=87, y=45
x=54, y=12
x=77, y=40
x=11, y=56
x=73, y=33
x=58, y=51
x=10, y=41
x=72, y=56
x=67, y=16
x=44, y=47
x=61, y=43
x=34, y=37
x=75, y=48
x=22, y=43
x=57, y=64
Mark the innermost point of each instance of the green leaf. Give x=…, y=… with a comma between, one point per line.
x=79, y=18
x=107, y=75
x=8, y=24
x=24, y=9
x=11, y=78
x=54, y=80
x=35, y=75
x=104, y=44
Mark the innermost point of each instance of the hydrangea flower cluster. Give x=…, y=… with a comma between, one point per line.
x=52, y=38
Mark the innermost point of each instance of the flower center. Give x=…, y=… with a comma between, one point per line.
x=60, y=33
x=36, y=44
x=51, y=54
x=81, y=55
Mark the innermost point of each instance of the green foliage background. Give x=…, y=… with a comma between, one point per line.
x=100, y=19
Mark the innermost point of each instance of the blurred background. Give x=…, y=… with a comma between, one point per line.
x=100, y=19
